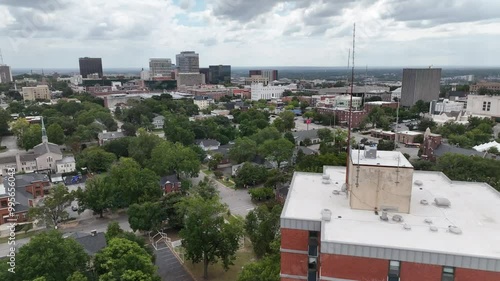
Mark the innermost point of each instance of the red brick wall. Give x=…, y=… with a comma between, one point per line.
x=463, y=274
x=356, y=268
x=294, y=239
x=294, y=264
x=417, y=272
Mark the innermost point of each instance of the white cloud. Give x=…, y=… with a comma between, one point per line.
x=125, y=33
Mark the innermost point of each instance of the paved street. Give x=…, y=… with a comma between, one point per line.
x=238, y=201
x=84, y=226
x=11, y=143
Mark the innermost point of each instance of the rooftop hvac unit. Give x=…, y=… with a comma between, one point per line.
x=326, y=215
x=433, y=228
x=454, y=229
x=370, y=152
x=442, y=202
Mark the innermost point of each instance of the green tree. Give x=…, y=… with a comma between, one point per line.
x=19, y=128
x=268, y=133
x=244, y=149
x=168, y=158
x=4, y=122
x=174, y=215
x=131, y=184
x=51, y=256
x=206, y=236
x=385, y=145
x=307, y=142
x=214, y=161
x=141, y=146
x=426, y=123
x=261, y=194
x=114, y=230
x=32, y=137
x=277, y=150
x=325, y=135
x=262, y=226
x=265, y=269
x=77, y=276
x=249, y=175
x=52, y=211
x=118, y=147
x=206, y=189
x=55, y=134
x=289, y=136
x=96, y=159
x=493, y=150
x=97, y=195
x=123, y=259
x=287, y=121
x=147, y=216
x=129, y=129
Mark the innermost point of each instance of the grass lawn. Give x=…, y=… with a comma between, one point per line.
x=216, y=271
x=228, y=183
x=207, y=172
x=21, y=235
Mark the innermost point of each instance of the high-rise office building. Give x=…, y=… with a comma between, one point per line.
x=254, y=72
x=5, y=74
x=206, y=73
x=271, y=74
x=188, y=62
x=420, y=84
x=160, y=67
x=219, y=74
x=90, y=66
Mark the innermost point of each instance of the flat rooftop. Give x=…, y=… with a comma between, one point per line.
x=475, y=209
x=384, y=158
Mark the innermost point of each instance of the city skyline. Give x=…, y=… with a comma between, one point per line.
x=243, y=33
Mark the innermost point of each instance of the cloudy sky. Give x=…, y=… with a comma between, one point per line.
x=126, y=33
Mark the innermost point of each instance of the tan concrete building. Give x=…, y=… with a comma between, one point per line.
x=493, y=86
x=40, y=92
x=380, y=180
x=487, y=106
x=256, y=79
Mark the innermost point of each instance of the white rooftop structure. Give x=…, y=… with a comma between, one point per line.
x=428, y=234
x=486, y=146
x=384, y=158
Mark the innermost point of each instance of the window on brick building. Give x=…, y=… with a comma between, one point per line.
x=394, y=269
x=448, y=274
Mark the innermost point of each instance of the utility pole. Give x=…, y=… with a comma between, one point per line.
x=349, y=128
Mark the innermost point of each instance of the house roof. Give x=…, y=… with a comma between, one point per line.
x=457, y=94
x=7, y=159
x=486, y=146
x=306, y=150
x=66, y=160
x=24, y=180
x=207, y=142
x=111, y=135
x=91, y=244
x=159, y=117
x=46, y=147
x=447, y=148
x=302, y=135
x=170, y=178
x=224, y=149
x=27, y=157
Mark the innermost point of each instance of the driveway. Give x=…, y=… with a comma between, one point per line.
x=238, y=201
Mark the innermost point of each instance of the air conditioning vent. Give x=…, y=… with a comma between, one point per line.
x=442, y=202
x=397, y=218
x=454, y=229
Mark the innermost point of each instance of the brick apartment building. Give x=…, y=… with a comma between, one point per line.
x=388, y=223
x=29, y=188
x=342, y=115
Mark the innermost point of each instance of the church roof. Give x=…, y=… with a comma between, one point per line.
x=46, y=147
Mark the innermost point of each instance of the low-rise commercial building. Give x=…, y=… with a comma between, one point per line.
x=385, y=221
x=483, y=105
x=261, y=92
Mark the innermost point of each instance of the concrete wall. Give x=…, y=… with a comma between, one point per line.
x=379, y=186
x=475, y=105
x=420, y=84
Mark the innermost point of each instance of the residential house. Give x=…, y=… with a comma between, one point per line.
x=106, y=136
x=208, y=145
x=224, y=151
x=158, y=122
x=28, y=189
x=170, y=183
x=203, y=102
x=66, y=165
x=300, y=136
x=91, y=242
x=281, y=192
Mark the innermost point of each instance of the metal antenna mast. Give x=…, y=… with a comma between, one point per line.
x=1, y=57
x=349, y=128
